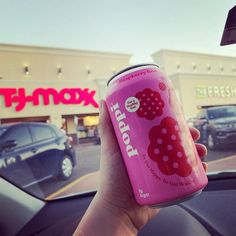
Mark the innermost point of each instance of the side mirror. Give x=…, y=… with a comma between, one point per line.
x=203, y=119
x=200, y=121
x=7, y=144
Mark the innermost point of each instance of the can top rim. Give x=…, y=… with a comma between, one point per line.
x=130, y=68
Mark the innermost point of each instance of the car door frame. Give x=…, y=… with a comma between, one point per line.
x=20, y=157
x=47, y=156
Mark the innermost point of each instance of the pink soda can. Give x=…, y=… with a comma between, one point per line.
x=156, y=145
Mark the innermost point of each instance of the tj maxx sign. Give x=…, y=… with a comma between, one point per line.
x=49, y=96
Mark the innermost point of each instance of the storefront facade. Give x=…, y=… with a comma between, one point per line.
x=63, y=87
x=199, y=79
x=57, y=86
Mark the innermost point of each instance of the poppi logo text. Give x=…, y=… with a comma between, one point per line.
x=48, y=96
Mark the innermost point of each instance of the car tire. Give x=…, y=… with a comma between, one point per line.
x=65, y=168
x=211, y=144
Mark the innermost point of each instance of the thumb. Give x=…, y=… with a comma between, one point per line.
x=103, y=116
x=107, y=134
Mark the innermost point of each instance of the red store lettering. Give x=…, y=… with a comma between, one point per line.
x=65, y=96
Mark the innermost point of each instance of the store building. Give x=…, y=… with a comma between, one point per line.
x=199, y=79
x=57, y=86
x=63, y=87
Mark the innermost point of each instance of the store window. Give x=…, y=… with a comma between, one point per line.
x=87, y=128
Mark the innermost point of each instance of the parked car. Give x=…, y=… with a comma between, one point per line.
x=217, y=125
x=32, y=152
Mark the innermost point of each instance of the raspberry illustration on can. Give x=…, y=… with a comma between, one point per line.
x=166, y=149
x=151, y=104
x=156, y=144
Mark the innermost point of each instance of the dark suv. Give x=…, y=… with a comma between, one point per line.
x=32, y=152
x=217, y=125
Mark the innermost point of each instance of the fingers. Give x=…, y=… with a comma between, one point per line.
x=205, y=166
x=105, y=125
x=109, y=142
x=195, y=133
x=201, y=149
x=103, y=117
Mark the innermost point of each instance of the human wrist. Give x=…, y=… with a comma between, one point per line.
x=131, y=213
x=117, y=216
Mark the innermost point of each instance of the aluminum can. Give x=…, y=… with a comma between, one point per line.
x=156, y=145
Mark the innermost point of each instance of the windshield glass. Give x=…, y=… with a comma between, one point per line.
x=222, y=113
x=56, y=58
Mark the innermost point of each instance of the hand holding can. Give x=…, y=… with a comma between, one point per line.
x=157, y=148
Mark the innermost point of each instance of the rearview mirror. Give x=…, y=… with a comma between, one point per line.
x=229, y=34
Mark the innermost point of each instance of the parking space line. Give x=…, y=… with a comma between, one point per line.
x=76, y=181
x=222, y=159
x=63, y=189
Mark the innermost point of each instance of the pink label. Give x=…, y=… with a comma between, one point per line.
x=124, y=130
x=156, y=144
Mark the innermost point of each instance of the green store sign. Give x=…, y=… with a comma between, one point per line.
x=203, y=91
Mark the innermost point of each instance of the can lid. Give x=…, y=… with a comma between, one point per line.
x=130, y=68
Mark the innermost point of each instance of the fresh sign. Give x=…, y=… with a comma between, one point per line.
x=215, y=91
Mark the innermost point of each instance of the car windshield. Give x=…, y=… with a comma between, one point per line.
x=56, y=58
x=222, y=113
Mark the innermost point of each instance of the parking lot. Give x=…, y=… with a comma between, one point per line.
x=88, y=157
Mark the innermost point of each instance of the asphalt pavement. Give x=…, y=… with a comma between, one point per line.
x=88, y=159
x=220, y=153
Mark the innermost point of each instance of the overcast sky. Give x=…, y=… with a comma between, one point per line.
x=138, y=27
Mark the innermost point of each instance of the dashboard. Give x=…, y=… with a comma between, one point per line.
x=211, y=213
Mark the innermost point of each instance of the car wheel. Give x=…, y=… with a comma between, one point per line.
x=65, y=168
x=211, y=142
